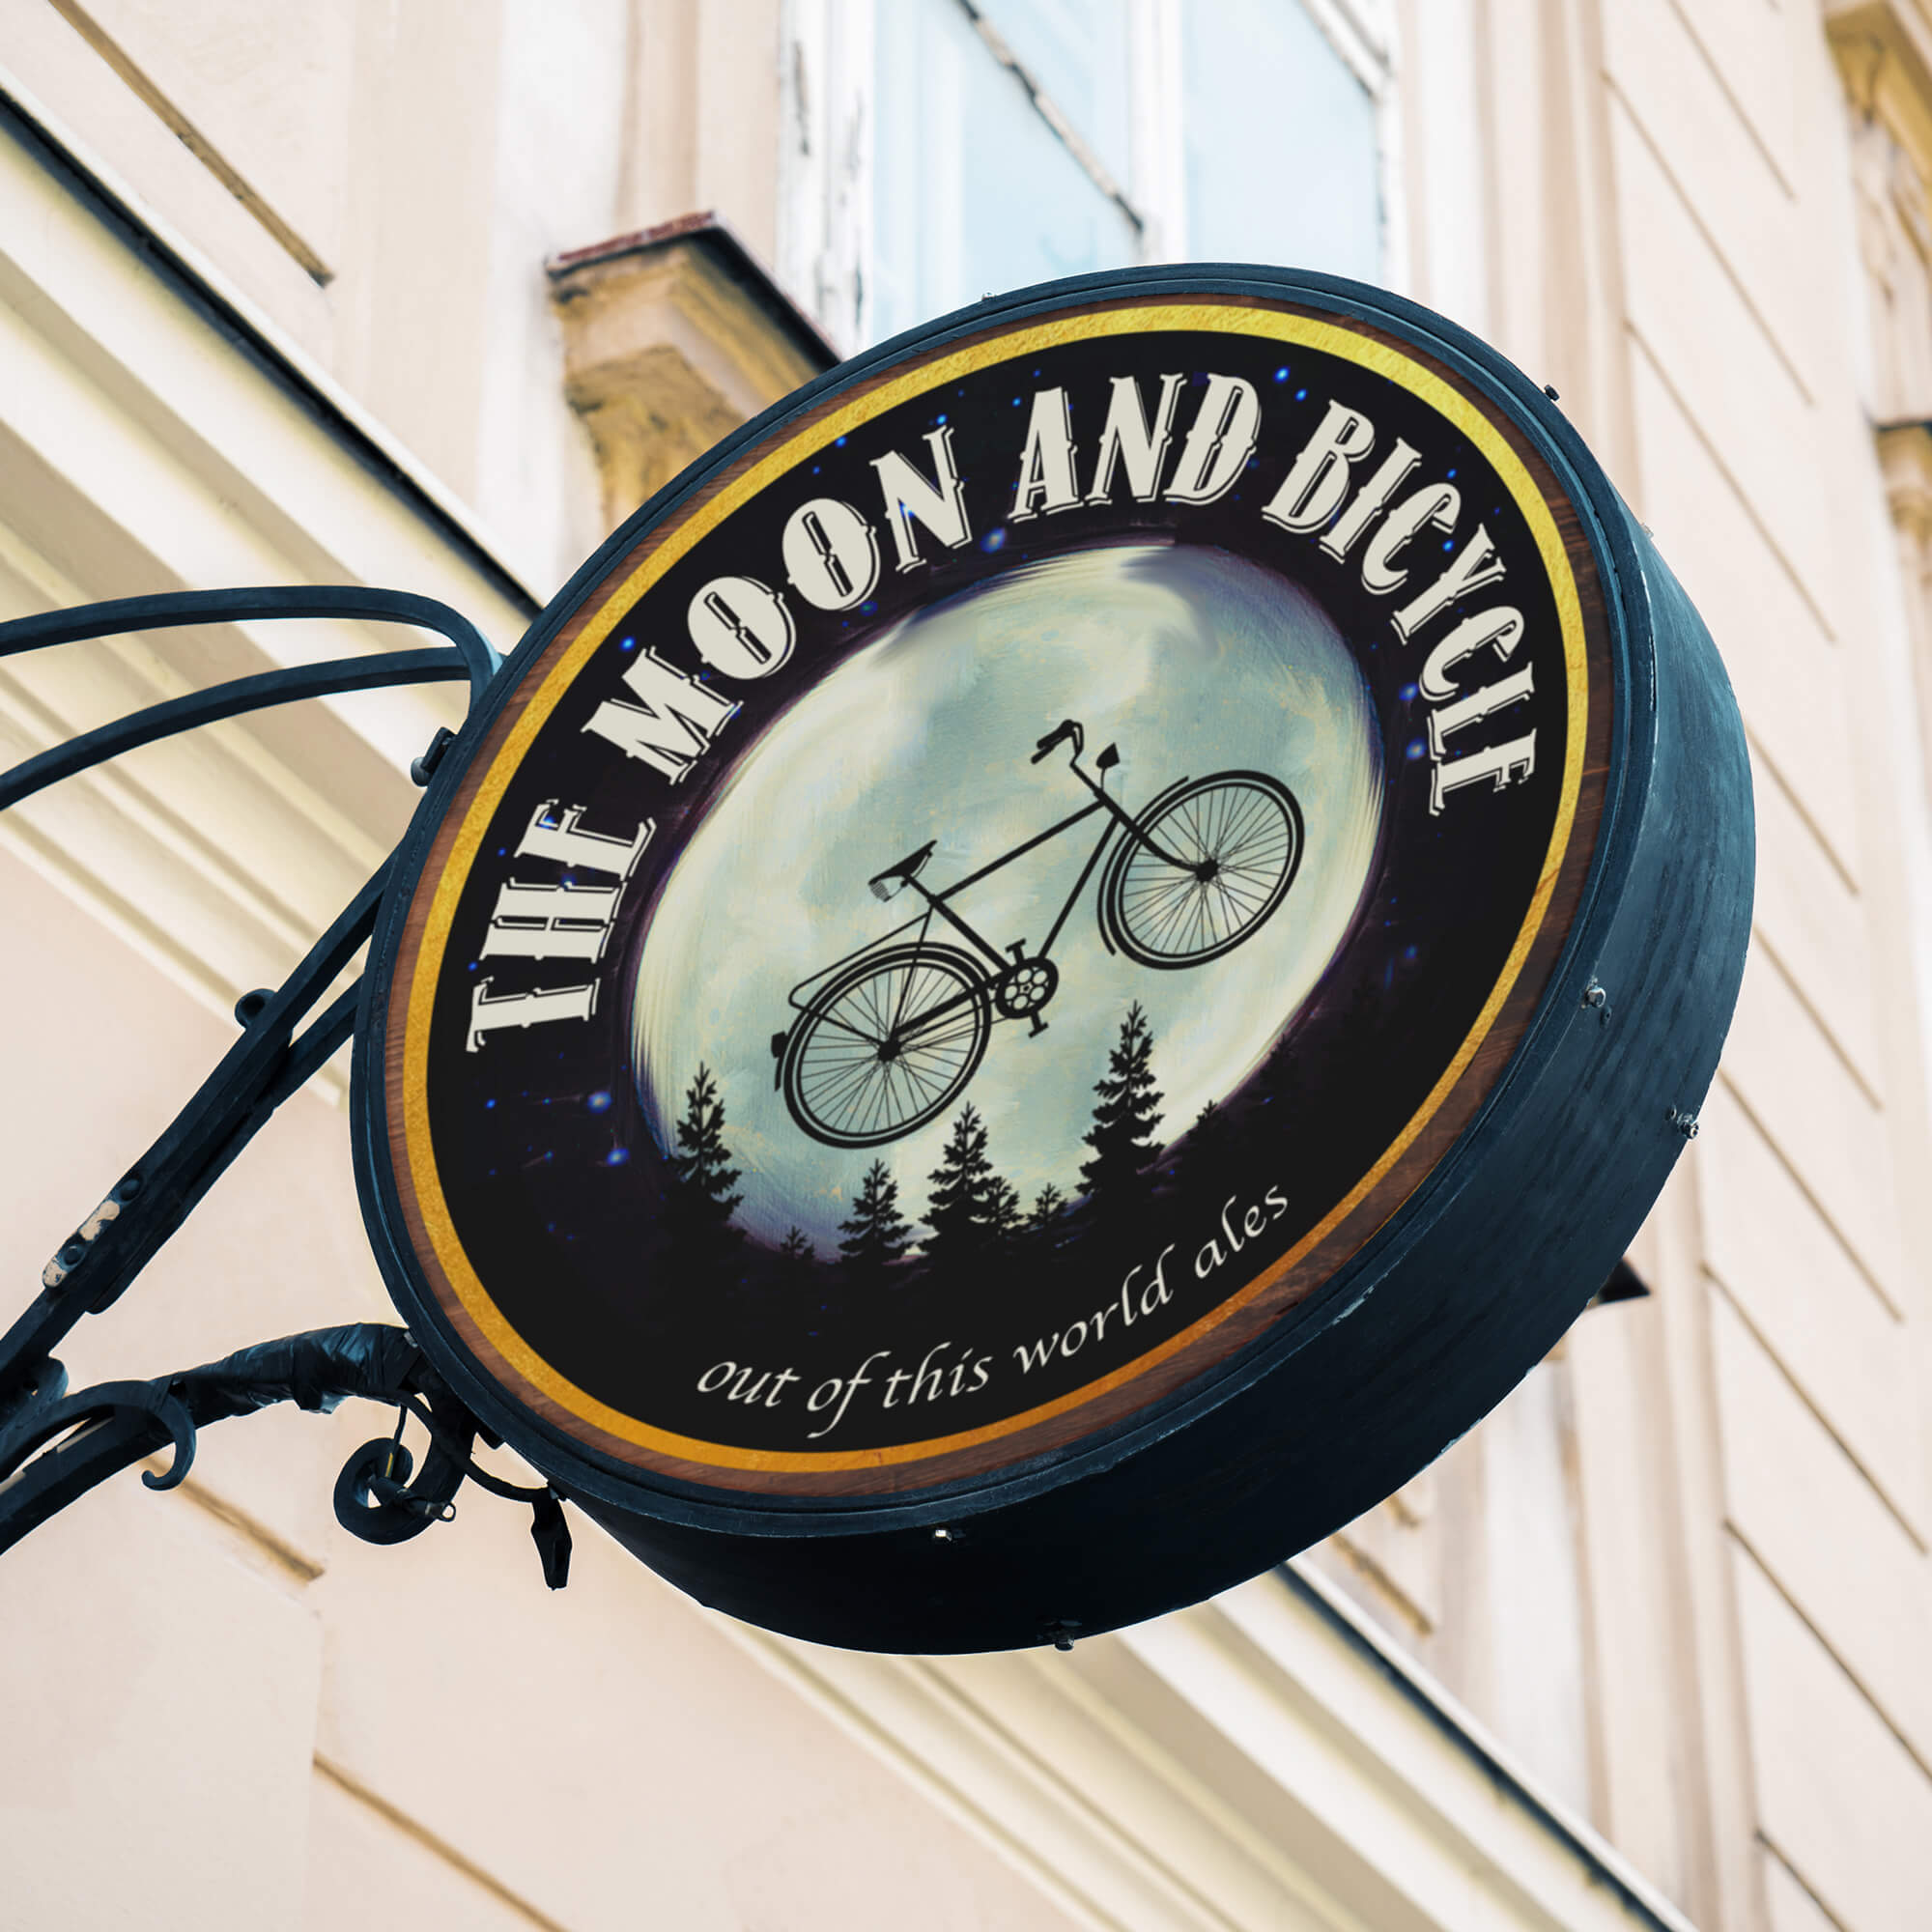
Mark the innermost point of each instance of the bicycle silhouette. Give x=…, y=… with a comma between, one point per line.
x=887, y=1037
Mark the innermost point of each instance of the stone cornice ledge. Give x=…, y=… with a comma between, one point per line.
x=1866, y=32
x=1262, y=1760
x=1905, y=457
x=672, y=337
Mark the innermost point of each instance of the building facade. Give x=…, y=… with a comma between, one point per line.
x=431, y=293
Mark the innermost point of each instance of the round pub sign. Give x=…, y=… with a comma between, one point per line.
x=1061, y=963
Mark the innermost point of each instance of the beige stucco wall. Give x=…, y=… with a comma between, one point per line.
x=1676, y=250
x=1682, y=1577
x=384, y=181
x=227, y=1713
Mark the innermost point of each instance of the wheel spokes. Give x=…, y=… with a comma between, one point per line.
x=1238, y=846
x=867, y=1070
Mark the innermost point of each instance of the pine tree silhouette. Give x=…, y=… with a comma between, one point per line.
x=962, y=1194
x=699, y=1204
x=1046, y=1208
x=1004, y=1215
x=1206, y=1155
x=796, y=1253
x=876, y=1235
x=1122, y=1133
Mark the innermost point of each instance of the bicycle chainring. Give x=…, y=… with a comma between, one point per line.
x=1024, y=987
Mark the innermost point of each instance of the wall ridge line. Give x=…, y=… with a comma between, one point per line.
x=1804, y=1395
x=1865, y=1696
x=414, y=1828
x=1824, y=1213
x=1729, y=474
x=1732, y=273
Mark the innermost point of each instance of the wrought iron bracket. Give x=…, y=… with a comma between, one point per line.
x=60, y=1447
x=54, y=1446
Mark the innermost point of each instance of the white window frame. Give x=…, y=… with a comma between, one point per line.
x=826, y=157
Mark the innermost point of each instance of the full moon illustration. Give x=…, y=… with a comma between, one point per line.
x=1188, y=659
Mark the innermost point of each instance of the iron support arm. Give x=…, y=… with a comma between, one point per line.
x=55, y=1446
x=60, y=1449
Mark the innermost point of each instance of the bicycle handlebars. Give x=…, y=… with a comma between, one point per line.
x=1058, y=736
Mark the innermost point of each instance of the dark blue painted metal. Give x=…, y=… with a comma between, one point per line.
x=224, y=700
x=171, y=608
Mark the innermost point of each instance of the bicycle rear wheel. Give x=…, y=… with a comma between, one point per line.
x=1240, y=838
x=886, y=1046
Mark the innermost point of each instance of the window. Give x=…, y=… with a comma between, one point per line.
x=938, y=150
x=974, y=188
x=1280, y=139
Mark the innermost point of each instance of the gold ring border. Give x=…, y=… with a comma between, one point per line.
x=1380, y=357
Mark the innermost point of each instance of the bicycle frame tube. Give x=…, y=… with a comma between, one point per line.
x=939, y=904
x=936, y=903
x=932, y=905
x=1079, y=887
x=925, y=1020
x=923, y=921
x=1126, y=821
x=1121, y=818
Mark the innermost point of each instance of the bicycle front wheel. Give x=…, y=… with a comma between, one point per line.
x=886, y=1046
x=1228, y=847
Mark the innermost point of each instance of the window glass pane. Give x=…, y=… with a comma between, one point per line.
x=973, y=192
x=1077, y=51
x=1280, y=142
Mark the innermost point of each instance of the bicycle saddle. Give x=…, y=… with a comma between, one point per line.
x=885, y=884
